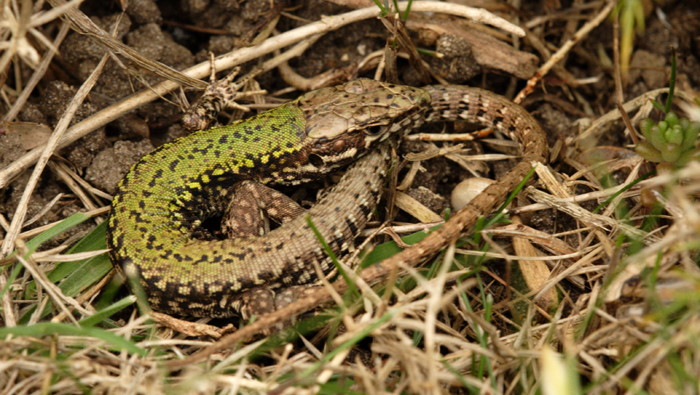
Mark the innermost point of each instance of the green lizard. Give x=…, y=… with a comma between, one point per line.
x=165, y=197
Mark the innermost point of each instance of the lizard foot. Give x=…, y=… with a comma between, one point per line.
x=249, y=201
x=259, y=302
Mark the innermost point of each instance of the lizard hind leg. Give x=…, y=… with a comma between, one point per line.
x=249, y=203
x=262, y=301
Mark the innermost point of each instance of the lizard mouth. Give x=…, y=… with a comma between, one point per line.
x=344, y=149
x=332, y=153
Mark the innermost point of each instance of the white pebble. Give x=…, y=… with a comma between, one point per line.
x=467, y=190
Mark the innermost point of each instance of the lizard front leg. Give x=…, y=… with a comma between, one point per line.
x=249, y=202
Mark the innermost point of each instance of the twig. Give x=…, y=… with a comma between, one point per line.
x=544, y=69
x=619, y=96
x=84, y=25
x=36, y=77
x=629, y=106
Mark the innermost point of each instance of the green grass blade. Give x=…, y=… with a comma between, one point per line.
x=500, y=212
x=55, y=230
x=107, y=312
x=78, y=275
x=331, y=254
x=390, y=248
x=95, y=240
x=407, y=11
x=623, y=190
x=381, y=7
x=52, y=328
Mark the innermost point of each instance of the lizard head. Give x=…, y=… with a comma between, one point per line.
x=344, y=121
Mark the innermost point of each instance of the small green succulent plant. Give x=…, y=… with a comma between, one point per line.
x=671, y=141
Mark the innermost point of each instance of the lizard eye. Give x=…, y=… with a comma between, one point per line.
x=374, y=130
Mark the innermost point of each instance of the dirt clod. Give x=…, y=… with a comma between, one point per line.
x=111, y=165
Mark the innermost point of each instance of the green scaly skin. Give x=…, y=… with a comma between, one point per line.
x=154, y=228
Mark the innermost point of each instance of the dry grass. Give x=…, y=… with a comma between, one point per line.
x=610, y=306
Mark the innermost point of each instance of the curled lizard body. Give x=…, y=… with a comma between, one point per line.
x=156, y=211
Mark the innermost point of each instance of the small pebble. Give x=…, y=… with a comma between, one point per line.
x=467, y=190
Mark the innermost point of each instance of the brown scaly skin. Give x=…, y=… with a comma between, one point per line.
x=448, y=102
x=161, y=203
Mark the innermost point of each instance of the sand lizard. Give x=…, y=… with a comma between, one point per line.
x=198, y=292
